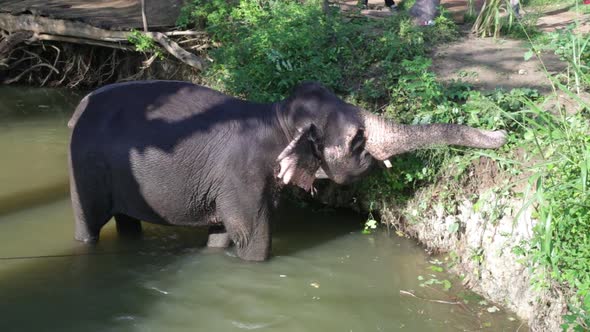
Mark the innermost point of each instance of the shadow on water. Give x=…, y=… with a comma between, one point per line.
x=299, y=229
x=104, y=287
x=48, y=193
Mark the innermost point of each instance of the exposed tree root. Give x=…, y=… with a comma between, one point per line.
x=42, y=51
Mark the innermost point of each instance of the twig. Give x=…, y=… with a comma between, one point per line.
x=200, y=47
x=403, y=292
x=189, y=40
x=12, y=80
x=143, y=17
x=177, y=51
x=184, y=33
x=147, y=63
x=54, y=64
x=86, y=41
x=17, y=62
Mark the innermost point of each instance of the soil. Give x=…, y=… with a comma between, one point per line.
x=489, y=64
x=499, y=63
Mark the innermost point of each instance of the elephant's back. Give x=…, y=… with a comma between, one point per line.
x=139, y=101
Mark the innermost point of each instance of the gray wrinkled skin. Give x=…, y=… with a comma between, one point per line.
x=425, y=10
x=174, y=153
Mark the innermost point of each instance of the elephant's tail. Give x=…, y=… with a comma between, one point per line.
x=79, y=110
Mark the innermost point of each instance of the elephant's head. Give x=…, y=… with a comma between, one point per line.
x=346, y=141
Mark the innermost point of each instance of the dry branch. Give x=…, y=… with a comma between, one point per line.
x=403, y=292
x=185, y=33
x=143, y=17
x=178, y=52
x=85, y=41
x=75, y=32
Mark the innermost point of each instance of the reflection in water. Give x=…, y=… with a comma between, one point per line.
x=324, y=276
x=33, y=140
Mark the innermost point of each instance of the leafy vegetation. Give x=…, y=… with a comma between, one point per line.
x=145, y=44
x=267, y=47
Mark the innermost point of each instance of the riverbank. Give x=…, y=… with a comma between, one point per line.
x=479, y=227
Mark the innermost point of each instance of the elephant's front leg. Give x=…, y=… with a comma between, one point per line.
x=256, y=246
x=248, y=226
x=218, y=237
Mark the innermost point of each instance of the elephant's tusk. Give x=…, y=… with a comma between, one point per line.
x=387, y=163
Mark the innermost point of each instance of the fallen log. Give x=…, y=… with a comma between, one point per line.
x=44, y=28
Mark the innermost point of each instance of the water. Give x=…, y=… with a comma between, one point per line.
x=33, y=139
x=324, y=276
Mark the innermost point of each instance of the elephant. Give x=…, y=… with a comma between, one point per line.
x=176, y=153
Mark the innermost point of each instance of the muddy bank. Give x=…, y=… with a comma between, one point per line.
x=483, y=251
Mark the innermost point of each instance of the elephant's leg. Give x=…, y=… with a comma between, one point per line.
x=252, y=243
x=91, y=203
x=90, y=213
x=218, y=237
x=246, y=219
x=257, y=245
x=127, y=226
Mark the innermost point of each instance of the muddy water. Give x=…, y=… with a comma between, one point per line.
x=324, y=276
x=33, y=137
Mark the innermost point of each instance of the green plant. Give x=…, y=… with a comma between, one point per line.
x=144, y=43
x=267, y=47
x=470, y=15
x=417, y=86
x=561, y=245
x=370, y=223
x=572, y=48
x=496, y=16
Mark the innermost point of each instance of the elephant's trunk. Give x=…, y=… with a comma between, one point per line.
x=386, y=138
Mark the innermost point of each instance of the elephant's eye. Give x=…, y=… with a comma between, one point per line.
x=358, y=141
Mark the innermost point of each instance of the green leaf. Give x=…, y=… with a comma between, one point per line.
x=436, y=268
x=528, y=55
x=447, y=285
x=454, y=227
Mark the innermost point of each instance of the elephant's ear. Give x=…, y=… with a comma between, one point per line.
x=300, y=160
